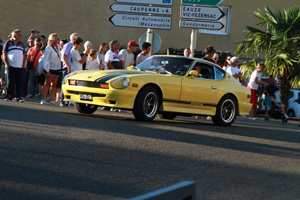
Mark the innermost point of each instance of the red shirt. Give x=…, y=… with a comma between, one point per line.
x=31, y=54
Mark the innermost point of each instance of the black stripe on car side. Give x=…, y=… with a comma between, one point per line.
x=190, y=103
x=108, y=77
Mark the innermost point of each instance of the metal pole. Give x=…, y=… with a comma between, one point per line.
x=193, y=42
x=150, y=39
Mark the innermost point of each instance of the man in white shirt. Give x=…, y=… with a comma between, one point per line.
x=253, y=85
x=126, y=55
x=14, y=58
x=66, y=59
x=111, y=58
x=233, y=69
x=76, y=59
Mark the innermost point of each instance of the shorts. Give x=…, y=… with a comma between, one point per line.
x=56, y=73
x=253, y=99
x=41, y=79
x=59, y=81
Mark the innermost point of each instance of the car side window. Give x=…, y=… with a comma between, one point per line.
x=291, y=94
x=220, y=74
x=205, y=71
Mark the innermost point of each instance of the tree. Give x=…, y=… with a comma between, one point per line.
x=278, y=43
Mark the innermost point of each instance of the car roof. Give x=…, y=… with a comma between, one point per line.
x=191, y=58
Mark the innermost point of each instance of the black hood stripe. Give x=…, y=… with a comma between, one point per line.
x=108, y=77
x=102, y=77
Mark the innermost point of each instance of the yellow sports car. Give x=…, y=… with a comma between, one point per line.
x=163, y=85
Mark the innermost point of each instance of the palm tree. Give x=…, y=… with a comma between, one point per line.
x=279, y=43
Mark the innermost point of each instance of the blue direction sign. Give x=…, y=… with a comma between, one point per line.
x=200, y=25
x=202, y=2
x=141, y=21
x=154, y=2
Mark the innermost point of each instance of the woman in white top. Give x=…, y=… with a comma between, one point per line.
x=52, y=66
x=76, y=59
x=101, y=54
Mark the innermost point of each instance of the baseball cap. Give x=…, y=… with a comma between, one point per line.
x=233, y=59
x=132, y=43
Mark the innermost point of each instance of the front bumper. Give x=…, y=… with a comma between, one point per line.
x=117, y=98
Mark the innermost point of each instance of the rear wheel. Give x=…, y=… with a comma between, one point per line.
x=85, y=108
x=226, y=111
x=291, y=113
x=167, y=115
x=146, y=104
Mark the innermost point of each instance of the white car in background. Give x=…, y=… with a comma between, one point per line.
x=294, y=103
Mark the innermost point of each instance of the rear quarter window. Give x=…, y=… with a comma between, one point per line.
x=220, y=74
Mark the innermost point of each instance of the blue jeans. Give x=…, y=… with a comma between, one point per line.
x=64, y=73
x=32, y=82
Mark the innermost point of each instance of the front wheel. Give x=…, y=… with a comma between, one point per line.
x=146, y=104
x=85, y=108
x=226, y=111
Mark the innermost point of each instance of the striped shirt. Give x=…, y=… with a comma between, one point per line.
x=15, y=53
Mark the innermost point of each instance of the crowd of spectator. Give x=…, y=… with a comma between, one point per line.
x=37, y=71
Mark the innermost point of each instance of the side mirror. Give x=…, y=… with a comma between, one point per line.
x=130, y=67
x=194, y=73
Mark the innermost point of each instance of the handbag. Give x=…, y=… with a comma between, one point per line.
x=61, y=63
x=30, y=64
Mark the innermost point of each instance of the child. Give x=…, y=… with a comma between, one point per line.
x=92, y=63
x=39, y=73
x=269, y=100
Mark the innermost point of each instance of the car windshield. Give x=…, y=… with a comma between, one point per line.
x=166, y=65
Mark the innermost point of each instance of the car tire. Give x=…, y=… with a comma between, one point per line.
x=85, y=108
x=167, y=115
x=146, y=104
x=226, y=111
x=291, y=113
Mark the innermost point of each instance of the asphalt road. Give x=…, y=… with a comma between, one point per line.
x=49, y=152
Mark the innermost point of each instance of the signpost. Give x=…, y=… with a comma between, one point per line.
x=147, y=20
x=156, y=42
x=141, y=21
x=196, y=12
x=200, y=25
x=201, y=13
x=141, y=9
x=151, y=2
x=202, y=2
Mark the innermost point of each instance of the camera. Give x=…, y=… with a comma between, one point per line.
x=34, y=31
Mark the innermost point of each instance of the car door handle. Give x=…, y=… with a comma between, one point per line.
x=213, y=87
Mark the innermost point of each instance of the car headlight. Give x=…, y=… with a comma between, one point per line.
x=67, y=76
x=120, y=83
